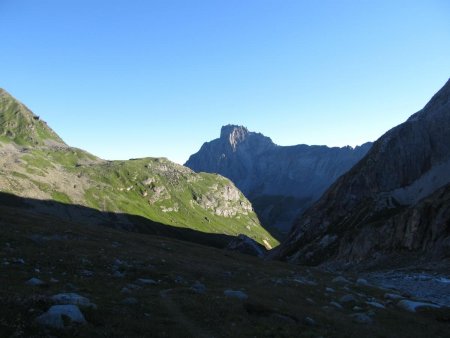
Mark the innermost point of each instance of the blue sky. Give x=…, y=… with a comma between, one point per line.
x=137, y=78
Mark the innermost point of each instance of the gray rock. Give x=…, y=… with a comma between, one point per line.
x=331, y=290
x=340, y=280
x=133, y=286
x=73, y=299
x=361, y=318
x=35, y=282
x=146, y=281
x=376, y=304
x=362, y=282
x=347, y=299
x=118, y=274
x=413, y=306
x=235, y=294
x=309, y=321
x=53, y=318
x=125, y=290
x=393, y=296
x=246, y=245
x=198, y=287
x=336, y=305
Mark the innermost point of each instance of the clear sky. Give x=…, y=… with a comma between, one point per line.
x=135, y=78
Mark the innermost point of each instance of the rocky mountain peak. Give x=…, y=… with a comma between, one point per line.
x=279, y=180
x=234, y=134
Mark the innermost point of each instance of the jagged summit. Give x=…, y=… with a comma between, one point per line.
x=231, y=129
x=235, y=135
x=276, y=179
x=19, y=125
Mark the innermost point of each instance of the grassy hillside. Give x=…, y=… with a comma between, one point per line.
x=187, y=297
x=36, y=163
x=19, y=125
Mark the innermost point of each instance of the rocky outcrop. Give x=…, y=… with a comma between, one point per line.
x=394, y=201
x=279, y=181
x=246, y=245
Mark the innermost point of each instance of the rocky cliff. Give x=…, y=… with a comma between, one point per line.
x=280, y=181
x=394, y=201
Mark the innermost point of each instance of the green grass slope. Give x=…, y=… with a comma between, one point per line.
x=36, y=163
x=19, y=125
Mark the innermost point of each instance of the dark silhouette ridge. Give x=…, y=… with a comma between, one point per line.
x=92, y=217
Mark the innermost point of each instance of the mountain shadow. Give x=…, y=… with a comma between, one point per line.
x=77, y=214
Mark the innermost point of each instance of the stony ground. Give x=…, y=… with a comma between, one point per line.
x=425, y=285
x=133, y=285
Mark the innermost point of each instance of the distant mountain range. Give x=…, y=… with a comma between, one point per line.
x=394, y=203
x=151, y=195
x=280, y=181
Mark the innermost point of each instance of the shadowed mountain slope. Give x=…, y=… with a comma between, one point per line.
x=394, y=201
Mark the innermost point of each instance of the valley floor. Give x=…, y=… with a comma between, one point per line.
x=149, y=286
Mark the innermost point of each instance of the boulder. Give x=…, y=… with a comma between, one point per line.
x=58, y=314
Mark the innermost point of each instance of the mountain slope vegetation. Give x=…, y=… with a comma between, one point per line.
x=36, y=163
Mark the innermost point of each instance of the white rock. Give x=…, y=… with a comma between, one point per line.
x=376, y=304
x=145, y=281
x=54, y=316
x=412, y=306
x=362, y=282
x=361, y=318
x=73, y=299
x=393, y=296
x=309, y=321
x=340, y=280
x=347, y=299
x=198, y=287
x=336, y=305
x=35, y=282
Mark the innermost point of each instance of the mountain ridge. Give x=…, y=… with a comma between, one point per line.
x=277, y=179
x=398, y=176
x=36, y=163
